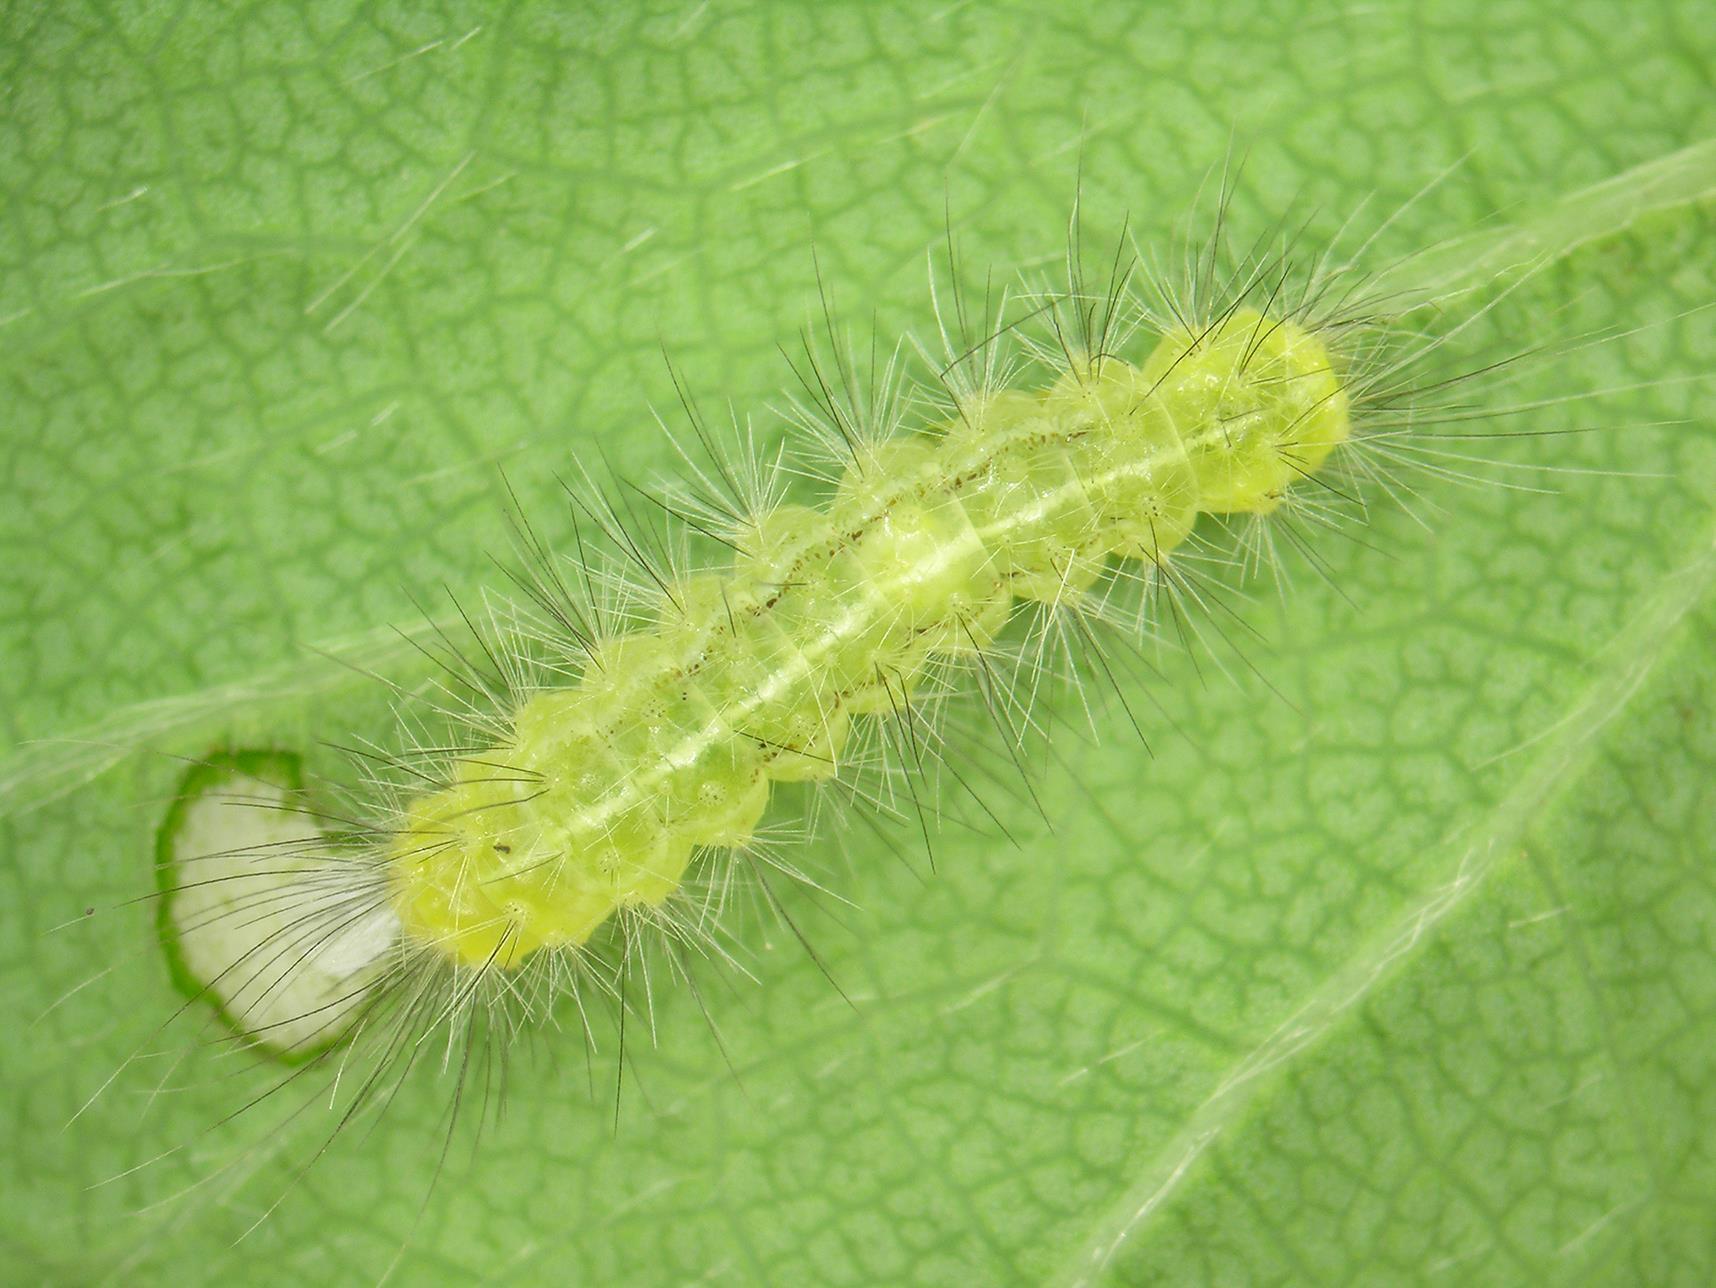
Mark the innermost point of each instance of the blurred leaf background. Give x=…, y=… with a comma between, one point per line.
x=1404, y=974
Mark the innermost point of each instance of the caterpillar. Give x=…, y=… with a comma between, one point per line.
x=610, y=752
x=640, y=720
x=593, y=798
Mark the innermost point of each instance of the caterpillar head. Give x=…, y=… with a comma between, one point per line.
x=1257, y=401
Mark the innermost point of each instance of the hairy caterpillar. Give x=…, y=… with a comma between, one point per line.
x=593, y=798
x=415, y=983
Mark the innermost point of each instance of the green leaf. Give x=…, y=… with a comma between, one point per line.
x=1391, y=962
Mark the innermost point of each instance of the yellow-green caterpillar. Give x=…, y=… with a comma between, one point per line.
x=751, y=675
x=595, y=795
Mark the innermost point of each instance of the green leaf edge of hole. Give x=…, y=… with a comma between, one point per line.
x=284, y=769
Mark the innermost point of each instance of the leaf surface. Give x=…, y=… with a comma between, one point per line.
x=1391, y=962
